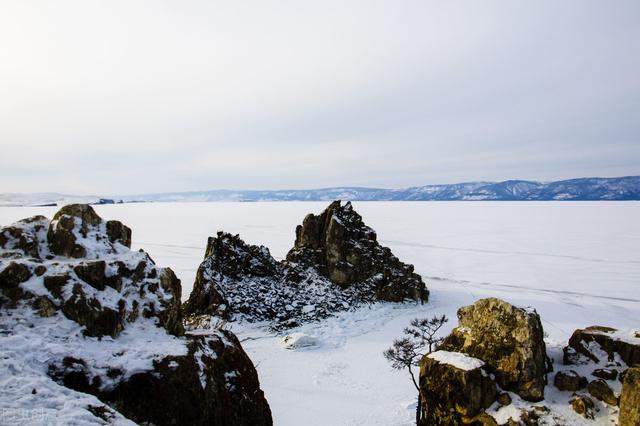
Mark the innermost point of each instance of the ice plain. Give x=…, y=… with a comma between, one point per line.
x=576, y=263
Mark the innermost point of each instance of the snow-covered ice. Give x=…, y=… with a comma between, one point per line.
x=577, y=264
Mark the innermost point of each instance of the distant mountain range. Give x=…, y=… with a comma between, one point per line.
x=582, y=189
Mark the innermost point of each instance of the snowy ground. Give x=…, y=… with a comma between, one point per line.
x=577, y=263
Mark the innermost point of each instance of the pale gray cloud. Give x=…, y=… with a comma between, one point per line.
x=129, y=97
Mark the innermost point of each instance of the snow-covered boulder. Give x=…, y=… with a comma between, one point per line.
x=91, y=332
x=316, y=280
x=298, y=341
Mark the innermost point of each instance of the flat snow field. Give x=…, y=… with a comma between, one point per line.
x=577, y=263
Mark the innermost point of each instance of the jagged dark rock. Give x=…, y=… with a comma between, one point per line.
x=586, y=345
x=342, y=248
x=509, y=340
x=605, y=373
x=336, y=264
x=451, y=395
x=238, y=279
x=121, y=317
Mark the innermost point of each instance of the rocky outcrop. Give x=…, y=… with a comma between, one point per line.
x=238, y=279
x=454, y=389
x=599, y=344
x=335, y=265
x=338, y=245
x=509, y=340
x=630, y=399
x=103, y=320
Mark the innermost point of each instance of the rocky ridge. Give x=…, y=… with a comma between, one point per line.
x=336, y=264
x=94, y=333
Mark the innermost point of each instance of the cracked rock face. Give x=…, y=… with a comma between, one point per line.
x=336, y=264
x=93, y=332
x=509, y=339
x=339, y=246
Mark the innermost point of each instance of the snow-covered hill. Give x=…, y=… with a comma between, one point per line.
x=621, y=188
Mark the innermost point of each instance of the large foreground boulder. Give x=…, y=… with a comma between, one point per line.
x=336, y=264
x=510, y=340
x=454, y=389
x=93, y=333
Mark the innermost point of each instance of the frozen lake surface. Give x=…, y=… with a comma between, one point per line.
x=577, y=263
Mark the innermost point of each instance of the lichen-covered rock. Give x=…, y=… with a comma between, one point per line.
x=342, y=248
x=583, y=405
x=599, y=389
x=453, y=393
x=81, y=314
x=509, y=340
x=316, y=280
x=600, y=344
x=569, y=380
x=630, y=399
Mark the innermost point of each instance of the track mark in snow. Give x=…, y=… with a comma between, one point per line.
x=532, y=289
x=521, y=253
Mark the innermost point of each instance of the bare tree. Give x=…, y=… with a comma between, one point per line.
x=420, y=339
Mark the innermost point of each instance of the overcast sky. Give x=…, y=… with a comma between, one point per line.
x=121, y=97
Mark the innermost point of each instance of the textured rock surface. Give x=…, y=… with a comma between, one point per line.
x=214, y=383
x=508, y=339
x=587, y=345
x=342, y=248
x=599, y=389
x=452, y=396
x=335, y=265
x=82, y=316
x=583, y=405
x=630, y=399
x=569, y=381
x=238, y=279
